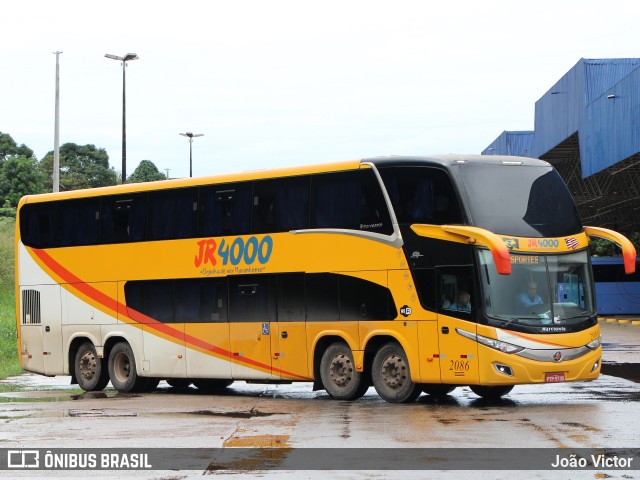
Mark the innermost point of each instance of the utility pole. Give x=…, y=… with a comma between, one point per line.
x=191, y=136
x=56, y=134
x=128, y=57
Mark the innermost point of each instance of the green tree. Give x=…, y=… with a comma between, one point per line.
x=606, y=248
x=146, y=172
x=19, y=176
x=9, y=147
x=81, y=166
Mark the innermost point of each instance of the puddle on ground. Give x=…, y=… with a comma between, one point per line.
x=58, y=396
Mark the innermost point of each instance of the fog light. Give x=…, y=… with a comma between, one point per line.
x=595, y=366
x=503, y=369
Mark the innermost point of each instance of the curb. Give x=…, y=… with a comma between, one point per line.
x=621, y=321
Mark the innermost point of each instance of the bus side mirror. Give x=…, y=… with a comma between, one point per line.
x=628, y=250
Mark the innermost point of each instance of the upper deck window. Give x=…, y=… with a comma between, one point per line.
x=172, y=214
x=422, y=195
x=78, y=223
x=225, y=209
x=281, y=205
x=522, y=200
x=350, y=200
x=124, y=218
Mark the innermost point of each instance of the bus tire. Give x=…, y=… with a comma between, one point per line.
x=209, y=385
x=491, y=393
x=122, y=370
x=437, y=390
x=391, y=375
x=91, y=372
x=338, y=373
x=178, y=383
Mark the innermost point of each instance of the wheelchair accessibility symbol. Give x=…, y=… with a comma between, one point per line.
x=265, y=329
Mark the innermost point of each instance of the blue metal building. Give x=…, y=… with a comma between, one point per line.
x=588, y=126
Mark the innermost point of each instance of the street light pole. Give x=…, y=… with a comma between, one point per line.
x=191, y=136
x=56, y=130
x=124, y=60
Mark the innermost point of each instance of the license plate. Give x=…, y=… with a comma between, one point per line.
x=554, y=377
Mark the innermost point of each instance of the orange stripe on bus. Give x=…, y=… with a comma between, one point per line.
x=537, y=340
x=141, y=319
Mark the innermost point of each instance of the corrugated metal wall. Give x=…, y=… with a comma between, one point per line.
x=516, y=143
x=612, y=126
x=608, y=129
x=559, y=112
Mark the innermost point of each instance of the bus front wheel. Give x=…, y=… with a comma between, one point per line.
x=338, y=373
x=491, y=393
x=122, y=370
x=391, y=375
x=91, y=372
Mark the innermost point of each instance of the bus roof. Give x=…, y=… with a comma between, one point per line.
x=446, y=161
x=450, y=159
x=195, y=181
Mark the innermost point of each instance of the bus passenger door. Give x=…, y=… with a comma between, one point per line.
x=289, y=335
x=251, y=316
x=458, y=354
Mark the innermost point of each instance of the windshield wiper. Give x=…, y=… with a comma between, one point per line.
x=511, y=320
x=579, y=315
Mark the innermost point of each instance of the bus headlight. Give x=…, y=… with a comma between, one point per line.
x=498, y=345
x=490, y=342
x=595, y=344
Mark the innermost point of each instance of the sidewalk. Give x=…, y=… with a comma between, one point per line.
x=620, y=342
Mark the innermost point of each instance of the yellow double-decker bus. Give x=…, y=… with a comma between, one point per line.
x=408, y=274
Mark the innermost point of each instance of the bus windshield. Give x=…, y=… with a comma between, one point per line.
x=543, y=290
x=521, y=201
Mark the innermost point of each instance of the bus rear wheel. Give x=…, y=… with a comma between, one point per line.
x=90, y=371
x=338, y=373
x=122, y=371
x=391, y=375
x=491, y=393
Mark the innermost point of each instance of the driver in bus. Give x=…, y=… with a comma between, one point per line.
x=529, y=298
x=463, y=304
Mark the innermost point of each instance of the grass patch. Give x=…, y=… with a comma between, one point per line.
x=9, y=362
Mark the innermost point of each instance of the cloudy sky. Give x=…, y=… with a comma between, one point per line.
x=285, y=82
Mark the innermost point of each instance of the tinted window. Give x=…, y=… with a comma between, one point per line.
x=323, y=298
x=456, y=294
x=180, y=301
x=523, y=201
x=78, y=222
x=153, y=298
x=281, y=205
x=200, y=300
x=291, y=298
x=422, y=195
x=37, y=225
x=250, y=299
x=225, y=210
x=425, y=280
x=124, y=218
x=350, y=200
x=364, y=300
x=172, y=214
